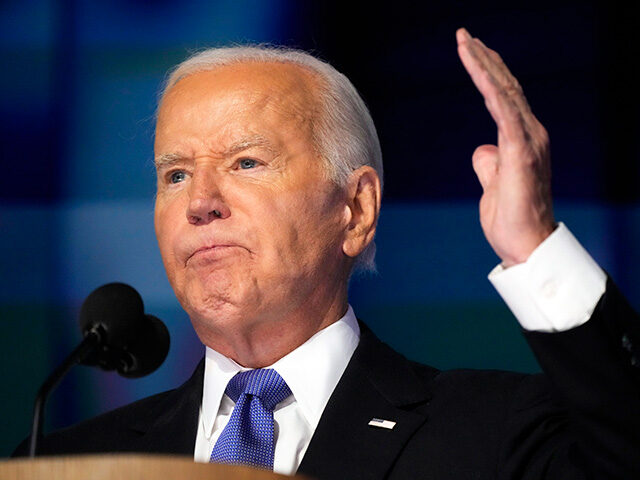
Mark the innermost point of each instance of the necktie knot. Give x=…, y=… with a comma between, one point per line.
x=265, y=384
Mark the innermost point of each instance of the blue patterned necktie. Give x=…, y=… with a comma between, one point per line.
x=248, y=437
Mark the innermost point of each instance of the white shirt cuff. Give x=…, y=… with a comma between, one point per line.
x=556, y=289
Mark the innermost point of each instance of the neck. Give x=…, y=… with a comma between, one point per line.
x=261, y=343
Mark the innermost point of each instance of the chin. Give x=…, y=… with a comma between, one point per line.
x=218, y=305
x=207, y=304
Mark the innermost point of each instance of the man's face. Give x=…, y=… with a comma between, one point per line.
x=249, y=228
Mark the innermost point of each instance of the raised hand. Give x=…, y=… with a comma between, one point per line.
x=516, y=211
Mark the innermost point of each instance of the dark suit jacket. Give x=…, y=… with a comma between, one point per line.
x=581, y=420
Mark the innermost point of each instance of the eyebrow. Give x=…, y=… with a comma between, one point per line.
x=245, y=143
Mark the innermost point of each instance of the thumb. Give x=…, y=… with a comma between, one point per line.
x=485, y=163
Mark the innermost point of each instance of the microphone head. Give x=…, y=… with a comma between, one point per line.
x=116, y=309
x=147, y=352
x=131, y=342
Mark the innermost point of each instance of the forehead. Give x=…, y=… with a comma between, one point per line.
x=285, y=89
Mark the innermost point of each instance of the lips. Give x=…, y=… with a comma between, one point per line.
x=205, y=246
x=211, y=251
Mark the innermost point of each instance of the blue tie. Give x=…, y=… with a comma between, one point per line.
x=248, y=437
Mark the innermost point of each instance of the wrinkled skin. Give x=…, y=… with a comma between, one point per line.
x=256, y=241
x=516, y=210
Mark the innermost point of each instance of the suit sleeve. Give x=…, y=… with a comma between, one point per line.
x=587, y=339
x=594, y=370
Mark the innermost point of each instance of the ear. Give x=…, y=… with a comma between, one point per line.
x=363, y=209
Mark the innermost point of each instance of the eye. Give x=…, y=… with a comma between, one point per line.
x=247, y=163
x=177, y=177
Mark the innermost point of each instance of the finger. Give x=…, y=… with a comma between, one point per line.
x=491, y=61
x=501, y=107
x=485, y=163
x=503, y=95
x=462, y=35
x=496, y=67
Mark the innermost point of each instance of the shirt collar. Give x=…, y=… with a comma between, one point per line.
x=311, y=371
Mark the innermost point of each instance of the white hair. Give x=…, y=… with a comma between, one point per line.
x=343, y=132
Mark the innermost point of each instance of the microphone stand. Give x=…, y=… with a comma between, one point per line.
x=92, y=339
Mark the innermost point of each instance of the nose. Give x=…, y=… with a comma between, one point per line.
x=206, y=202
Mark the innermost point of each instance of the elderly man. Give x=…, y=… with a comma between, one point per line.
x=269, y=185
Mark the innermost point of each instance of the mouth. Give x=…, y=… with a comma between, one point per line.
x=209, y=253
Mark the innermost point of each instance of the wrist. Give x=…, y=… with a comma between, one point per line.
x=527, y=247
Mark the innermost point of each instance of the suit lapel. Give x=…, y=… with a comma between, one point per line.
x=378, y=383
x=172, y=425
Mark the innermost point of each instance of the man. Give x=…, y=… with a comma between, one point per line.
x=269, y=188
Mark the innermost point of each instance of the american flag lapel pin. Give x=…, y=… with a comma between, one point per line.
x=380, y=423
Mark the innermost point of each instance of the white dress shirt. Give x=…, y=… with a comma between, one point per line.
x=311, y=371
x=556, y=289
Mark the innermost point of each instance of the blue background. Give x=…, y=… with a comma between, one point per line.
x=79, y=87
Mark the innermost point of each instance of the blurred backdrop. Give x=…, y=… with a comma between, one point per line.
x=79, y=86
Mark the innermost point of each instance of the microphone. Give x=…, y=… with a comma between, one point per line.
x=118, y=335
x=132, y=343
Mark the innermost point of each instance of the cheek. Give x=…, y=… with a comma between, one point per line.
x=306, y=234
x=165, y=222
